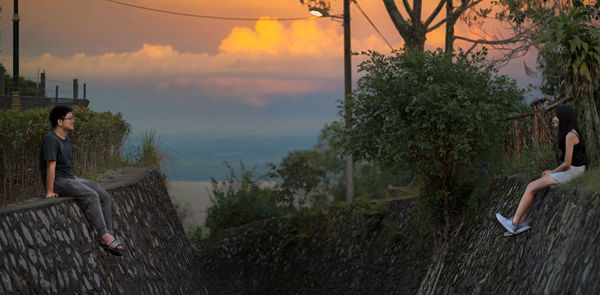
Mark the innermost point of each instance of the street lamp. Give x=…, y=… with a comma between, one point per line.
x=321, y=12
x=347, y=88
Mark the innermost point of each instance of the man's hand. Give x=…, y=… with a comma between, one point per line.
x=51, y=195
x=546, y=173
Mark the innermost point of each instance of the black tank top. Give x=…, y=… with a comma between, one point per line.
x=579, y=157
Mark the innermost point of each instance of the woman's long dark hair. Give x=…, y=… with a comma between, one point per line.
x=567, y=121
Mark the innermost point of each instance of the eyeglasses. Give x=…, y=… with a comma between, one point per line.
x=69, y=119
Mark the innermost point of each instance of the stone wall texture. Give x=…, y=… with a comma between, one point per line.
x=559, y=255
x=344, y=251
x=47, y=247
x=351, y=252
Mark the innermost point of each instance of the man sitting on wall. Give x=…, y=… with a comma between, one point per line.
x=58, y=178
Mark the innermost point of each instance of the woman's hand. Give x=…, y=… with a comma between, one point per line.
x=546, y=172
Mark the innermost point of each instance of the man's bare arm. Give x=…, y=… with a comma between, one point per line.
x=50, y=175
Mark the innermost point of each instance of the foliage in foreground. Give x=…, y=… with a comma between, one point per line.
x=238, y=200
x=317, y=176
x=433, y=114
x=312, y=178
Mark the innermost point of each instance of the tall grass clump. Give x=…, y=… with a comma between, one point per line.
x=150, y=152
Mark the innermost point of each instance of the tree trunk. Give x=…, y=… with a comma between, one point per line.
x=591, y=127
x=419, y=37
x=451, y=20
x=412, y=32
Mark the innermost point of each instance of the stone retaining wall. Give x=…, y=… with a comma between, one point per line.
x=350, y=252
x=345, y=251
x=559, y=255
x=47, y=247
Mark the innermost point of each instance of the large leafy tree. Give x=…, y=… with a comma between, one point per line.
x=430, y=114
x=574, y=46
x=568, y=36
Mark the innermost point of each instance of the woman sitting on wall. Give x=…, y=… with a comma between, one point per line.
x=573, y=158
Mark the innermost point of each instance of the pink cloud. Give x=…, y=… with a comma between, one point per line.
x=254, y=65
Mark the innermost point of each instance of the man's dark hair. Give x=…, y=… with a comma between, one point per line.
x=58, y=112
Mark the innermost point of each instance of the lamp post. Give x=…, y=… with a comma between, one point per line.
x=347, y=88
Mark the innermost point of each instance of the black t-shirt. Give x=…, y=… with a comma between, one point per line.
x=56, y=149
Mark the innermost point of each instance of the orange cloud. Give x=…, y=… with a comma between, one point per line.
x=253, y=65
x=302, y=38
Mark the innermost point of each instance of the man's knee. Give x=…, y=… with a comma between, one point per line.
x=105, y=198
x=89, y=196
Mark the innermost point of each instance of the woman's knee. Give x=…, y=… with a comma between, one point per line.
x=540, y=183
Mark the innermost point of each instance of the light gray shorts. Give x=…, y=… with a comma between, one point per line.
x=567, y=175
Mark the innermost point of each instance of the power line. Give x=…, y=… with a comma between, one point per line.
x=372, y=24
x=207, y=16
x=62, y=82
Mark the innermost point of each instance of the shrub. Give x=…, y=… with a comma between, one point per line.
x=239, y=200
x=298, y=178
x=195, y=235
x=433, y=114
x=96, y=141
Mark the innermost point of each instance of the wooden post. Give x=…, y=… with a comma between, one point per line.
x=84, y=91
x=56, y=97
x=2, y=80
x=75, y=89
x=43, y=84
x=16, y=21
x=536, y=128
x=517, y=137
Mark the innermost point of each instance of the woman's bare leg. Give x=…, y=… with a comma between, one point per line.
x=528, y=200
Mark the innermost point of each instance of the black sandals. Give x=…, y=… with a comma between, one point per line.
x=112, y=248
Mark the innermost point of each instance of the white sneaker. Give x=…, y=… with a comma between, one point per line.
x=522, y=227
x=507, y=223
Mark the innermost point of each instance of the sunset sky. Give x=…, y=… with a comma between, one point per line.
x=182, y=75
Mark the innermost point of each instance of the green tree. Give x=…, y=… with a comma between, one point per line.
x=571, y=46
x=422, y=112
x=298, y=177
x=318, y=173
x=238, y=200
x=569, y=40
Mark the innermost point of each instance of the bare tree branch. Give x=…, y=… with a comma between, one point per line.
x=408, y=9
x=437, y=25
x=401, y=25
x=490, y=42
x=463, y=6
x=435, y=12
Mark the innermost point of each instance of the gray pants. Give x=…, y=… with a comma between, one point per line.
x=93, y=200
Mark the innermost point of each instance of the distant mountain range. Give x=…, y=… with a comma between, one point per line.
x=198, y=158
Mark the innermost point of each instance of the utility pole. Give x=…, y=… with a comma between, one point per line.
x=16, y=20
x=348, y=100
x=323, y=11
